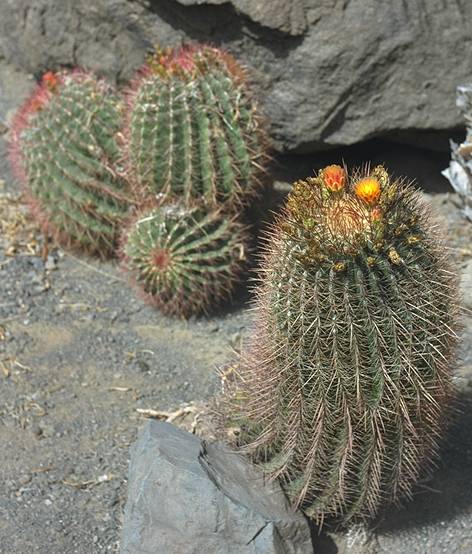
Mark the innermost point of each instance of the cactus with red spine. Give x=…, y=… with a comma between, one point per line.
x=186, y=259
x=64, y=149
x=345, y=386
x=193, y=130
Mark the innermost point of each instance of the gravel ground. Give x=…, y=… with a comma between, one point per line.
x=80, y=355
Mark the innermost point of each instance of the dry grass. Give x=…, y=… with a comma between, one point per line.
x=19, y=234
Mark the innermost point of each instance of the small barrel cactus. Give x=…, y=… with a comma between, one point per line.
x=185, y=259
x=64, y=149
x=193, y=130
x=345, y=385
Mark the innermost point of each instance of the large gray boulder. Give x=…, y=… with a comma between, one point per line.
x=185, y=496
x=329, y=72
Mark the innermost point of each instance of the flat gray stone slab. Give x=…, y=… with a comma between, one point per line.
x=186, y=497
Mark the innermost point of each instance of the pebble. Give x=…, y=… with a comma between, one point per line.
x=51, y=263
x=24, y=480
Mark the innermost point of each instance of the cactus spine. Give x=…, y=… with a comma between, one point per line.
x=65, y=150
x=193, y=131
x=344, y=388
x=185, y=259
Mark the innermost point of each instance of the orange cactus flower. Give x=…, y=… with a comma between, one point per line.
x=50, y=80
x=334, y=177
x=368, y=190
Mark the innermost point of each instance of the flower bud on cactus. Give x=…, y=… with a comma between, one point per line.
x=344, y=389
x=63, y=148
x=185, y=259
x=193, y=130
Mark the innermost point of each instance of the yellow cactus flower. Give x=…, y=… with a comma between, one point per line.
x=368, y=189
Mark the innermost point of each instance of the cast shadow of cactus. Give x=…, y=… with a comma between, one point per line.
x=258, y=216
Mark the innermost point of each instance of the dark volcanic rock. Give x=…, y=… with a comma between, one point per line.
x=329, y=72
x=191, y=497
x=287, y=16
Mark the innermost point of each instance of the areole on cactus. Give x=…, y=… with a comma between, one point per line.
x=185, y=259
x=64, y=149
x=193, y=130
x=344, y=387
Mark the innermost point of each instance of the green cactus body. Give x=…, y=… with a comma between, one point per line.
x=193, y=130
x=345, y=385
x=64, y=140
x=185, y=259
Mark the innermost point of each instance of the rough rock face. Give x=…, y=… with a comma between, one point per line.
x=330, y=72
x=186, y=496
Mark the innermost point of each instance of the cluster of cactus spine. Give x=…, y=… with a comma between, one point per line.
x=185, y=258
x=195, y=143
x=345, y=385
x=193, y=131
x=192, y=137
x=64, y=149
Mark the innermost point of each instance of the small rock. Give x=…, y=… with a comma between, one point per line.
x=24, y=480
x=46, y=430
x=114, y=316
x=51, y=263
x=37, y=263
x=185, y=495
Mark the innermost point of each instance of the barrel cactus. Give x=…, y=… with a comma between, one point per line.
x=185, y=259
x=193, y=130
x=345, y=385
x=64, y=149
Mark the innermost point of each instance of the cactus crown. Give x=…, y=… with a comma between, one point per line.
x=64, y=149
x=335, y=216
x=191, y=61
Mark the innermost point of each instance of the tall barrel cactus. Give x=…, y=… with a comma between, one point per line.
x=193, y=130
x=64, y=149
x=345, y=385
x=185, y=259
